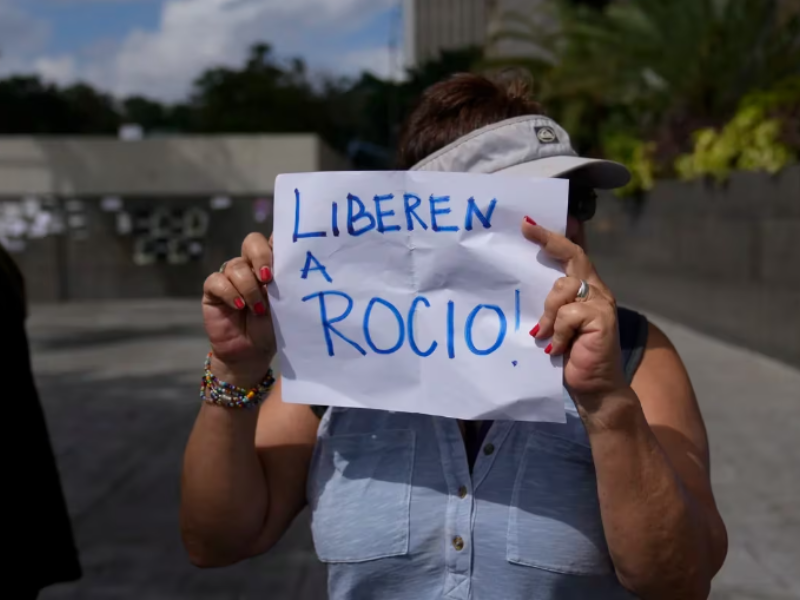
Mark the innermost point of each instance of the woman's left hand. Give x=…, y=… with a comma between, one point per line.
x=584, y=331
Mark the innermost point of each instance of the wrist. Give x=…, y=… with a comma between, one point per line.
x=242, y=374
x=615, y=410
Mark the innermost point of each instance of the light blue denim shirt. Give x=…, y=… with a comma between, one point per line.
x=397, y=515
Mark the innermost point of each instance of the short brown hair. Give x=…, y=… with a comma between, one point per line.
x=457, y=106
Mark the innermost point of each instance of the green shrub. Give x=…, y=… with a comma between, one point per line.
x=637, y=155
x=752, y=141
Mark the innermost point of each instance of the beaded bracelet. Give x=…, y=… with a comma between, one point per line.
x=220, y=393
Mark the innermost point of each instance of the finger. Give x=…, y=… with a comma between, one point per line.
x=564, y=291
x=257, y=251
x=570, y=320
x=240, y=273
x=218, y=289
x=573, y=257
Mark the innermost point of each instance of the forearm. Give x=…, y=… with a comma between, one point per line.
x=224, y=496
x=657, y=533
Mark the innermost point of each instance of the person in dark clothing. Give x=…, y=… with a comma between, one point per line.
x=38, y=530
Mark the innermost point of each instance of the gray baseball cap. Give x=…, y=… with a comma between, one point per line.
x=529, y=146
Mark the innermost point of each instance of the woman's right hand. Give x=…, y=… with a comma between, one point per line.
x=237, y=317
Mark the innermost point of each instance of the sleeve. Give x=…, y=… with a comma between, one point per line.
x=633, y=328
x=319, y=411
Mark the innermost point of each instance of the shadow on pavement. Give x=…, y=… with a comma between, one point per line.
x=119, y=444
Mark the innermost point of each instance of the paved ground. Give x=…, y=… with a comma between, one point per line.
x=751, y=406
x=118, y=384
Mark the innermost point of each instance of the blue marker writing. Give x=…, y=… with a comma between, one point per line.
x=297, y=235
x=380, y=214
x=440, y=211
x=396, y=313
x=310, y=258
x=362, y=213
x=327, y=324
x=410, y=210
x=335, y=220
x=501, y=335
x=451, y=326
x=411, y=341
x=474, y=211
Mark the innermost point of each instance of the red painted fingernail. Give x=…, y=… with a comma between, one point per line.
x=530, y=221
x=535, y=330
x=259, y=308
x=266, y=274
x=239, y=303
x=549, y=349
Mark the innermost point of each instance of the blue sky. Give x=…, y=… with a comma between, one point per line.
x=156, y=47
x=73, y=23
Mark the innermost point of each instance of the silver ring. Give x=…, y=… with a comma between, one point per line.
x=222, y=268
x=583, y=292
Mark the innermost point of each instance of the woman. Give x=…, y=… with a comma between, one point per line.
x=615, y=503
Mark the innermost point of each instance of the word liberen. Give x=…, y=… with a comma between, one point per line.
x=359, y=219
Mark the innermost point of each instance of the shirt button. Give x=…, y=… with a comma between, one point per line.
x=458, y=543
x=462, y=492
x=488, y=449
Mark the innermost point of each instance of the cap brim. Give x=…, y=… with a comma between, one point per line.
x=597, y=173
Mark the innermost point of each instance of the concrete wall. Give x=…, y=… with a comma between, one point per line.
x=65, y=204
x=725, y=260
x=328, y=160
x=97, y=261
x=169, y=165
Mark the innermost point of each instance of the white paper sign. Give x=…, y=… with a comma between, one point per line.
x=415, y=292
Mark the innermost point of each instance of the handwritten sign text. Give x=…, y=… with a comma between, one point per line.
x=414, y=292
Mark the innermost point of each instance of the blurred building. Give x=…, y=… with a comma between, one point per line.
x=503, y=18
x=91, y=218
x=435, y=25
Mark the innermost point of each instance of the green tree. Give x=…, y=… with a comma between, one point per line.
x=91, y=110
x=262, y=96
x=266, y=94
x=655, y=70
x=379, y=107
x=31, y=106
x=156, y=117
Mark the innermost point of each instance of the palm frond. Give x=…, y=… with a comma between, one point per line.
x=655, y=62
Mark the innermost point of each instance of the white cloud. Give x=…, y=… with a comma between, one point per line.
x=57, y=2
x=194, y=34
x=379, y=61
x=59, y=69
x=20, y=34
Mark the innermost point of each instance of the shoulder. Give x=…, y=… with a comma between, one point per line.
x=664, y=387
x=647, y=352
x=661, y=362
